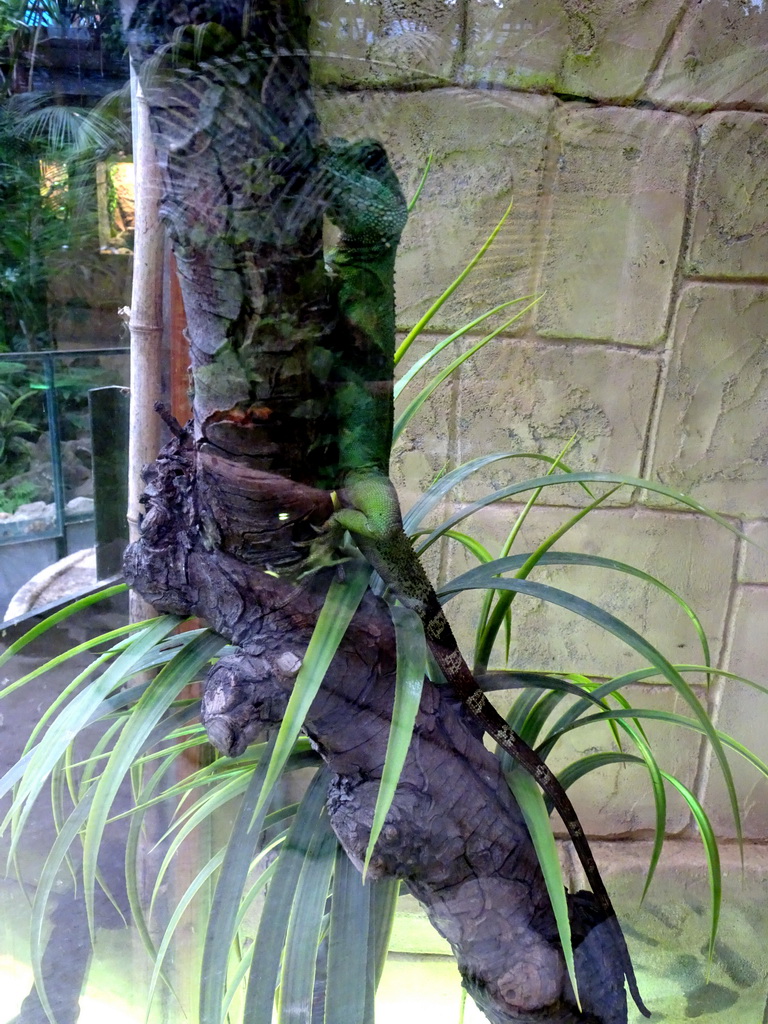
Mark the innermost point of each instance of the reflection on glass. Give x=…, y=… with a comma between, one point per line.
x=114, y=194
x=581, y=296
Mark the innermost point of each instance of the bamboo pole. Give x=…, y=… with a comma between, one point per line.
x=145, y=318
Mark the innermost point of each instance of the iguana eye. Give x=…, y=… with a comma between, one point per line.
x=373, y=157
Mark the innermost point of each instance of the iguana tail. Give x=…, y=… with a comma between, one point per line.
x=398, y=565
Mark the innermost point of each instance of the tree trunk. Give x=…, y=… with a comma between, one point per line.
x=231, y=500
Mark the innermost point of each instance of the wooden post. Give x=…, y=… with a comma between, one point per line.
x=181, y=406
x=109, y=414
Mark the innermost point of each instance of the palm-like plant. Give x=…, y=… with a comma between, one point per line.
x=321, y=937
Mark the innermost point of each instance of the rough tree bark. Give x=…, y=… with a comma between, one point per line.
x=238, y=492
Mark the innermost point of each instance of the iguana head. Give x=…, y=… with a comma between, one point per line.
x=364, y=197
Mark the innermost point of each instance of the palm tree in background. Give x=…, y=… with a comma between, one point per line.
x=48, y=149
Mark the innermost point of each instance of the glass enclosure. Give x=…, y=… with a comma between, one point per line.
x=383, y=489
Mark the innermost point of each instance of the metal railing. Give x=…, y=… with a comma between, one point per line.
x=49, y=361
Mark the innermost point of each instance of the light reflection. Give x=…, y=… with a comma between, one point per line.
x=96, y=1005
x=115, y=199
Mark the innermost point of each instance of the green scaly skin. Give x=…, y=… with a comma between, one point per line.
x=367, y=205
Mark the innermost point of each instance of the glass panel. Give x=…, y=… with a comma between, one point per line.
x=46, y=473
x=500, y=265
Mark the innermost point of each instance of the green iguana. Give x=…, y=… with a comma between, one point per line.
x=366, y=203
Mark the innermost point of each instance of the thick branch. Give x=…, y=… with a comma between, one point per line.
x=454, y=833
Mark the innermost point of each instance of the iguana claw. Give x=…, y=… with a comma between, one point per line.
x=331, y=547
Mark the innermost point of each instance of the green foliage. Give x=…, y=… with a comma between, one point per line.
x=12, y=497
x=12, y=426
x=24, y=414
x=318, y=919
x=340, y=605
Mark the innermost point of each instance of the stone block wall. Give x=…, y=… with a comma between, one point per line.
x=632, y=136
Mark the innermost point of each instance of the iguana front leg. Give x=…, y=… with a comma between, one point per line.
x=368, y=510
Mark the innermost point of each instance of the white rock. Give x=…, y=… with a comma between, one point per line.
x=32, y=510
x=76, y=506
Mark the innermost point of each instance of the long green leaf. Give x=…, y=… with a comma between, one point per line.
x=75, y=716
x=350, y=980
x=531, y=803
x=383, y=893
x=273, y=926
x=61, y=698
x=445, y=484
x=71, y=652
x=418, y=401
x=224, y=789
x=264, y=879
x=538, y=715
x=167, y=651
x=442, y=299
x=297, y=979
x=482, y=638
x=709, y=840
x=591, y=762
x=647, y=673
x=671, y=718
x=57, y=617
x=236, y=981
x=521, y=708
x=637, y=735
x=529, y=730
x=13, y=775
x=211, y=802
x=175, y=717
x=512, y=679
x=579, y=707
x=558, y=479
x=184, y=668
x=501, y=613
x=524, y=563
x=422, y=182
x=427, y=358
x=233, y=778
x=339, y=607
x=625, y=633
x=132, y=864
x=178, y=912
x=226, y=899
x=48, y=875
x=411, y=669
x=707, y=834
x=480, y=551
x=143, y=800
